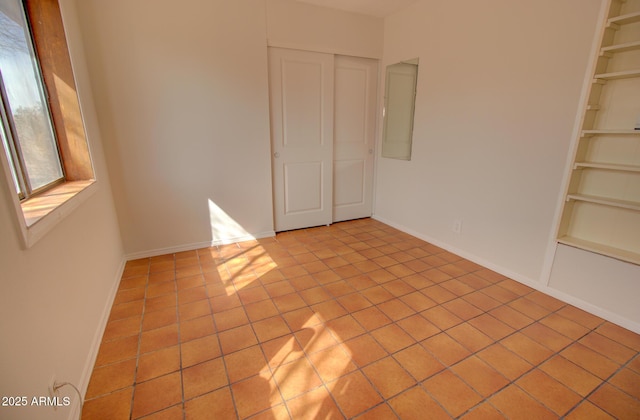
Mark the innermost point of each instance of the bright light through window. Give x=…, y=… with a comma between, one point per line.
x=28, y=134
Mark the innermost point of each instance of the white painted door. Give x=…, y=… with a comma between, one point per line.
x=301, y=100
x=354, y=135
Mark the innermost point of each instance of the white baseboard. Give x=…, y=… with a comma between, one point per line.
x=462, y=253
x=197, y=245
x=95, y=345
x=534, y=284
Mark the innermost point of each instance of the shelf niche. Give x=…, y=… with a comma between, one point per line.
x=602, y=203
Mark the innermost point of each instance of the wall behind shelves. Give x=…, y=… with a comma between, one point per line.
x=608, y=284
x=498, y=92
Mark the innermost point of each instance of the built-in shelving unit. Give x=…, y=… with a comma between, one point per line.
x=624, y=19
x=610, y=166
x=602, y=207
x=589, y=133
x=627, y=46
x=618, y=75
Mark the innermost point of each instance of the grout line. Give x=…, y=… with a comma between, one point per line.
x=215, y=326
x=137, y=356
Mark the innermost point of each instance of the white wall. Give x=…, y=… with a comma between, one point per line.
x=499, y=87
x=182, y=96
x=55, y=295
x=292, y=24
x=609, y=286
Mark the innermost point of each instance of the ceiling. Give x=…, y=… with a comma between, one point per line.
x=377, y=8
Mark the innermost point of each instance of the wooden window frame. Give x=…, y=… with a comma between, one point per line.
x=40, y=212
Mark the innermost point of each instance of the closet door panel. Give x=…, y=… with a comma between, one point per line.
x=301, y=100
x=354, y=133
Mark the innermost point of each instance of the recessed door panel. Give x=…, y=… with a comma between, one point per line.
x=303, y=187
x=302, y=99
x=355, y=115
x=351, y=104
x=349, y=193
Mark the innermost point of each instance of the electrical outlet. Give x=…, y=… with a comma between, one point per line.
x=457, y=226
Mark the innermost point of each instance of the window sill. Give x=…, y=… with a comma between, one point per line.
x=42, y=212
x=35, y=208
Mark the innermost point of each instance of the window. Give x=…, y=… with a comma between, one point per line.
x=28, y=135
x=46, y=156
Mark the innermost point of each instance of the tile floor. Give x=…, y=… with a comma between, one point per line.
x=352, y=320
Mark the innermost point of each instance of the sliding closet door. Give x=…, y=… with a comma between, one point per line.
x=354, y=136
x=301, y=100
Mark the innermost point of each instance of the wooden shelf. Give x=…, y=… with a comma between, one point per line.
x=611, y=202
x=607, y=166
x=609, y=251
x=592, y=219
x=618, y=75
x=628, y=46
x=625, y=19
x=591, y=133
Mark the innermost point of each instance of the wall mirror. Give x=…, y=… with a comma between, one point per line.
x=399, y=106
